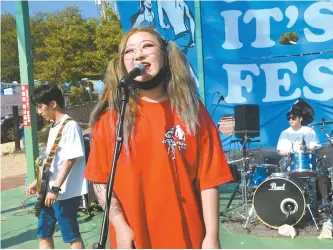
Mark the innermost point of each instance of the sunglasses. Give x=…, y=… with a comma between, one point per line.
x=292, y=118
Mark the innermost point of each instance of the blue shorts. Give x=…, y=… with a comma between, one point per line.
x=65, y=212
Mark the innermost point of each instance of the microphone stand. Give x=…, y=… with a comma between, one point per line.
x=220, y=99
x=124, y=96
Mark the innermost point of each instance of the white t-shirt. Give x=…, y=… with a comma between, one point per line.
x=71, y=146
x=291, y=140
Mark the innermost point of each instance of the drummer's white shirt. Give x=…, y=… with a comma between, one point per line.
x=291, y=140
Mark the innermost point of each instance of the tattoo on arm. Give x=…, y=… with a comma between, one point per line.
x=100, y=192
x=115, y=206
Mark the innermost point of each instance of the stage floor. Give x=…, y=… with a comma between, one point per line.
x=19, y=225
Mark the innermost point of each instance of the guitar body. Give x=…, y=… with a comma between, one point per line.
x=44, y=188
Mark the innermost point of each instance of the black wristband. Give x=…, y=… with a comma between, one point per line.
x=55, y=190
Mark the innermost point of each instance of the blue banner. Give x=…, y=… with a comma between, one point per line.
x=246, y=62
x=268, y=53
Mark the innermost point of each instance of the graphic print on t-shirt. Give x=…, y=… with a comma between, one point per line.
x=175, y=137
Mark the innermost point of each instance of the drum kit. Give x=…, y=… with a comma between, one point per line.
x=286, y=192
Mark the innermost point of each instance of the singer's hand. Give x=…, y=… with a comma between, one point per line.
x=124, y=236
x=211, y=243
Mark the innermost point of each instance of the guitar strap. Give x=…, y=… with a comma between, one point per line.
x=54, y=148
x=48, y=163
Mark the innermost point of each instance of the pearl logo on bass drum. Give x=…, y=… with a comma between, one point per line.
x=274, y=187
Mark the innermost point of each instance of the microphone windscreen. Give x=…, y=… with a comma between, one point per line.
x=141, y=67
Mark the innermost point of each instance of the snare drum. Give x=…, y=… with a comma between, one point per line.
x=303, y=164
x=261, y=172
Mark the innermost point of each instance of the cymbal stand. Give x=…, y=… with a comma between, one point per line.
x=251, y=213
x=246, y=166
x=242, y=186
x=328, y=137
x=244, y=183
x=247, y=213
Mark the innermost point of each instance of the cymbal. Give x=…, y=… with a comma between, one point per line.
x=321, y=123
x=246, y=131
x=266, y=165
x=242, y=159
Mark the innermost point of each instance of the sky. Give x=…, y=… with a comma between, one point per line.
x=88, y=7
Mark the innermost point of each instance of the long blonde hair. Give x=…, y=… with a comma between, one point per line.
x=179, y=85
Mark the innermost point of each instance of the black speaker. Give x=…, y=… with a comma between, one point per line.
x=247, y=120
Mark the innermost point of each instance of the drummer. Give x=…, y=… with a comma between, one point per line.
x=297, y=138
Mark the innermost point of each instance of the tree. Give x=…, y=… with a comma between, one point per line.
x=10, y=70
x=61, y=57
x=108, y=36
x=38, y=31
x=66, y=47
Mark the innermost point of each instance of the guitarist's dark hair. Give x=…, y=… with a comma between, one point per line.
x=47, y=93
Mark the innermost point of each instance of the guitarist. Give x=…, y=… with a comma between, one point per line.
x=66, y=182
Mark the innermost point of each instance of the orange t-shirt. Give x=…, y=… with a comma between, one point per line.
x=159, y=181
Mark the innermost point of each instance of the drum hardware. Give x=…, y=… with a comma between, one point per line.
x=284, y=163
x=319, y=160
x=309, y=208
x=323, y=123
x=329, y=138
x=242, y=188
x=252, y=212
x=243, y=185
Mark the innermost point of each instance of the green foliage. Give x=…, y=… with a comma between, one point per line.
x=66, y=47
x=10, y=70
x=62, y=55
x=77, y=95
x=43, y=134
x=107, y=44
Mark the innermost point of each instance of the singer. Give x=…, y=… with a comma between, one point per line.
x=172, y=162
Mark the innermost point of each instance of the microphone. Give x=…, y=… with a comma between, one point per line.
x=221, y=98
x=138, y=70
x=218, y=102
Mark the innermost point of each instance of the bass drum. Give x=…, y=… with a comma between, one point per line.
x=280, y=199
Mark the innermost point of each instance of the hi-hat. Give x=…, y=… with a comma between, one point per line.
x=321, y=123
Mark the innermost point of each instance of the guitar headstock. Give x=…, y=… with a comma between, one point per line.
x=37, y=161
x=40, y=161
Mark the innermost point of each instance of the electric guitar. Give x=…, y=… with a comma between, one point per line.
x=43, y=184
x=43, y=174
